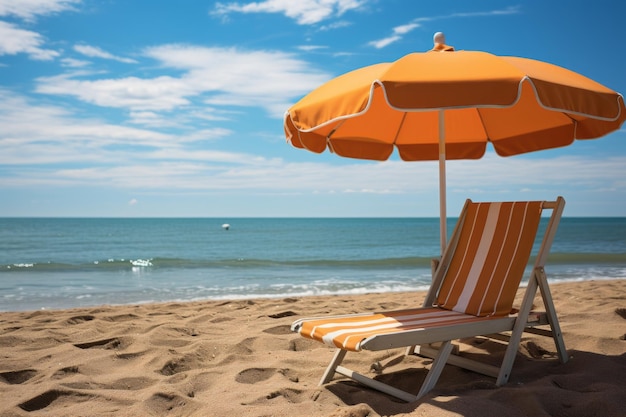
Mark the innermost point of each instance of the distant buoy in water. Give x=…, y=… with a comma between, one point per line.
x=226, y=226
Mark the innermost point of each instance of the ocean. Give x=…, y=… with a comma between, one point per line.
x=55, y=263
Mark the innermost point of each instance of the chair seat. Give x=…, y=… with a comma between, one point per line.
x=354, y=332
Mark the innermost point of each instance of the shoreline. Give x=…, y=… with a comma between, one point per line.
x=238, y=356
x=241, y=297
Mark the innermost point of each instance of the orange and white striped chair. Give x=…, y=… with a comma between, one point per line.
x=472, y=294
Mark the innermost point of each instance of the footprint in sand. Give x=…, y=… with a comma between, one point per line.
x=192, y=360
x=301, y=344
x=130, y=355
x=121, y=317
x=112, y=343
x=17, y=377
x=284, y=329
x=80, y=319
x=254, y=375
x=174, y=367
x=221, y=319
x=289, y=395
x=174, y=337
x=46, y=399
x=63, y=372
x=169, y=404
x=245, y=347
x=282, y=314
x=126, y=384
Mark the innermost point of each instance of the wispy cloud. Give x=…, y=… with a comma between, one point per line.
x=14, y=40
x=74, y=63
x=335, y=25
x=49, y=146
x=398, y=32
x=500, y=12
x=159, y=93
x=214, y=76
x=30, y=9
x=95, y=52
x=381, y=43
x=29, y=126
x=309, y=48
x=232, y=171
x=304, y=12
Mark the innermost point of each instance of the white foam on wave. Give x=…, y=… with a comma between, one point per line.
x=20, y=266
x=141, y=262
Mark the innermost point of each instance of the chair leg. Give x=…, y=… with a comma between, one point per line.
x=436, y=368
x=546, y=296
x=334, y=363
x=429, y=382
x=518, y=330
x=377, y=385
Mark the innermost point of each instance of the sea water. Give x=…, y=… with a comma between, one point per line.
x=50, y=263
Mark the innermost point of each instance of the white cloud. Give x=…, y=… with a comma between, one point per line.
x=29, y=9
x=215, y=76
x=381, y=43
x=492, y=176
x=398, y=32
x=404, y=29
x=304, y=12
x=43, y=134
x=159, y=93
x=35, y=139
x=74, y=63
x=34, y=135
x=95, y=52
x=229, y=76
x=152, y=119
x=309, y=48
x=14, y=40
x=499, y=12
x=335, y=25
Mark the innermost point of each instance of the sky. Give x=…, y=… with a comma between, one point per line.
x=161, y=108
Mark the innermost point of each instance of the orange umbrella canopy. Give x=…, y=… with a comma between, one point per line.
x=519, y=105
x=446, y=104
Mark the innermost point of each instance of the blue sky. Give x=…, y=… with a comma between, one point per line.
x=143, y=108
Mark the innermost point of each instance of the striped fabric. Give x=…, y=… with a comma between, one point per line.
x=489, y=261
x=480, y=284
x=349, y=332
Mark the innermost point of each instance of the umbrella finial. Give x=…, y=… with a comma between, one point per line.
x=439, y=39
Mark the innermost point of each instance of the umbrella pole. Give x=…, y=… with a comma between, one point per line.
x=442, y=182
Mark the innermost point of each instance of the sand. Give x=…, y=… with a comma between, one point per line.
x=239, y=358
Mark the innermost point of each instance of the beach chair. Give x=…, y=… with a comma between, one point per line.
x=472, y=294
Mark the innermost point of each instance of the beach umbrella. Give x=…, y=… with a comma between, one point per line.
x=447, y=104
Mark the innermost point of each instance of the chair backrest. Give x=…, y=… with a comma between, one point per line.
x=491, y=251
